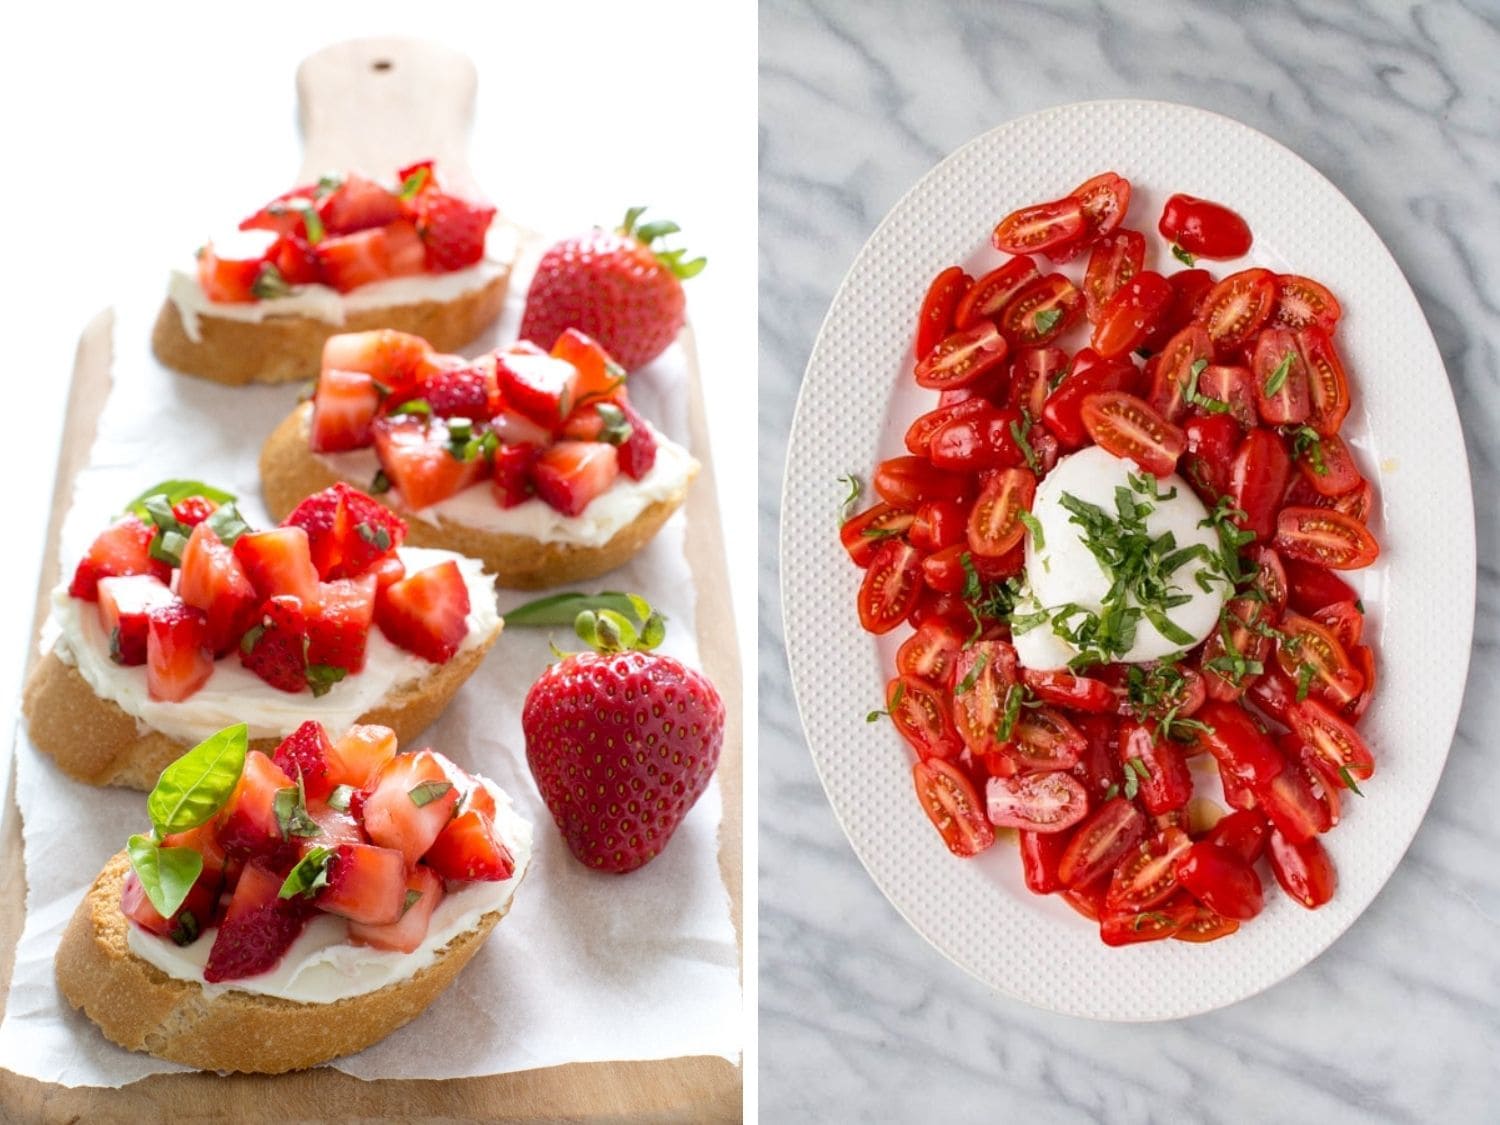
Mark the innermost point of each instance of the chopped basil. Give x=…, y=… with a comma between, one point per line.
x=314, y=224
x=425, y=792
x=409, y=901
x=1182, y=254
x=1191, y=394
x=379, y=483
x=1348, y=780
x=309, y=875
x=966, y=685
x=1034, y=525
x=1305, y=674
x=1046, y=319
x=1014, y=695
x=413, y=406
x=339, y=798
x=176, y=491
x=226, y=522
x=186, y=931
x=1020, y=432
x=290, y=808
x=377, y=537
x=1277, y=379
x=328, y=183
x=269, y=283
x=322, y=677
x=617, y=429
x=1308, y=443
x=414, y=183
x=852, y=482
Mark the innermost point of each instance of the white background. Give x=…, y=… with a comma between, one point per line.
x=132, y=132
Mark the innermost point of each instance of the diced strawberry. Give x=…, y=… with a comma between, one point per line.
x=338, y=827
x=275, y=648
x=347, y=531
x=358, y=755
x=338, y=625
x=638, y=451
x=124, y=605
x=247, y=823
x=394, y=359
x=532, y=382
x=453, y=229
x=258, y=927
x=387, y=570
x=344, y=406
x=517, y=429
x=305, y=752
x=205, y=841
x=213, y=580
x=425, y=891
x=350, y=260
x=122, y=548
x=190, y=511
x=461, y=393
x=570, y=474
x=279, y=563
x=426, y=612
x=178, y=661
x=357, y=204
x=404, y=250
x=478, y=798
x=228, y=270
x=366, y=884
x=510, y=479
x=190, y=919
x=283, y=215
x=411, y=199
x=295, y=259
x=412, y=800
x=599, y=376
x=467, y=850
x=415, y=454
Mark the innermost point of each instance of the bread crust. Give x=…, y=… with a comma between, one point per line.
x=139, y=1007
x=95, y=740
x=290, y=471
x=289, y=349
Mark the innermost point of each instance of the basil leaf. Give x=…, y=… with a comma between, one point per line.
x=290, y=808
x=339, y=798
x=196, y=786
x=175, y=491
x=310, y=874
x=166, y=874
x=377, y=537
x=1182, y=254
x=227, y=523
x=322, y=677
x=428, y=791
x=413, y=184
x=413, y=406
x=410, y=900
x=557, y=610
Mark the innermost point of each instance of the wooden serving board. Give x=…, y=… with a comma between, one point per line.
x=422, y=96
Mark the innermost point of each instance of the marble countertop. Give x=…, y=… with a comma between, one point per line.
x=1400, y=1019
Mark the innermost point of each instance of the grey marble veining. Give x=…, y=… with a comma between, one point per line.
x=1400, y=1019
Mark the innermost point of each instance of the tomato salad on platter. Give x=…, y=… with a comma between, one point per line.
x=1121, y=565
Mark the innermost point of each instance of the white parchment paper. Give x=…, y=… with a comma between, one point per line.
x=586, y=967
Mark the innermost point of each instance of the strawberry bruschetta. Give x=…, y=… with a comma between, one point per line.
x=535, y=462
x=288, y=908
x=345, y=253
x=180, y=618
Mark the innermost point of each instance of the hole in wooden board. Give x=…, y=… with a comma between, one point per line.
x=382, y=65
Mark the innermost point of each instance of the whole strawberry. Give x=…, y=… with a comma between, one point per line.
x=621, y=741
x=615, y=286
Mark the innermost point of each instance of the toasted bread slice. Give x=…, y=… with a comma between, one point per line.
x=139, y=1007
x=97, y=741
x=290, y=471
x=289, y=349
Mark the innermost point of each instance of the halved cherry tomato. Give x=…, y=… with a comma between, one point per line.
x=988, y=296
x=864, y=534
x=1270, y=579
x=1077, y=693
x=1209, y=461
x=1279, y=379
x=909, y=481
x=1088, y=901
x=919, y=713
x=1063, y=410
x=995, y=522
x=1042, y=740
x=1040, y=853
x=1304, y=870
x=1038, y=802
x=1335, y=741
x=1311, y=587
x=1241, y=631
x=1040, y=227
x=938, y=524
x=1364, y=656
x=1042, y=311
x=1116, y=258
x=1329, y=467
x=1224, y=388
x=1222, y=881
x=891, y=587
x=1242, y=832
x=1149, y=925
x=1105, y=199
x=1257, y=481
x=1302, y=303
x=1100, y=842
x=1239, y=746
x=1291, y=805
x=951, y=804
x=1205, y=925
x=982, y=440
x=936, y=318
x=1099, y=768
x=919, y=433
x=931, y=651
x=961, y=358
x=1237, y=307
x=1032, y=373
x=1189, y=287
x=983, y=674
x=1131, y=314
x=1324, y=786
x=1204, y=228
x=1148, y=875
x=1126, y=427
x=1166, y=784
x=1237, y=793
x=1309, y=649
x=1327, y=384
x=1345, y=621
x=1174, y=370
x=1326, y=537
x=1001, y=567
x=944, y=571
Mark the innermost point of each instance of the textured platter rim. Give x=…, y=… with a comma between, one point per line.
x=817, y=615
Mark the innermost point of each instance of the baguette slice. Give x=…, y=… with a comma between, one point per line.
x=139, y=1007
x=289, y=349
x=290, y=471
x=97, y=741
